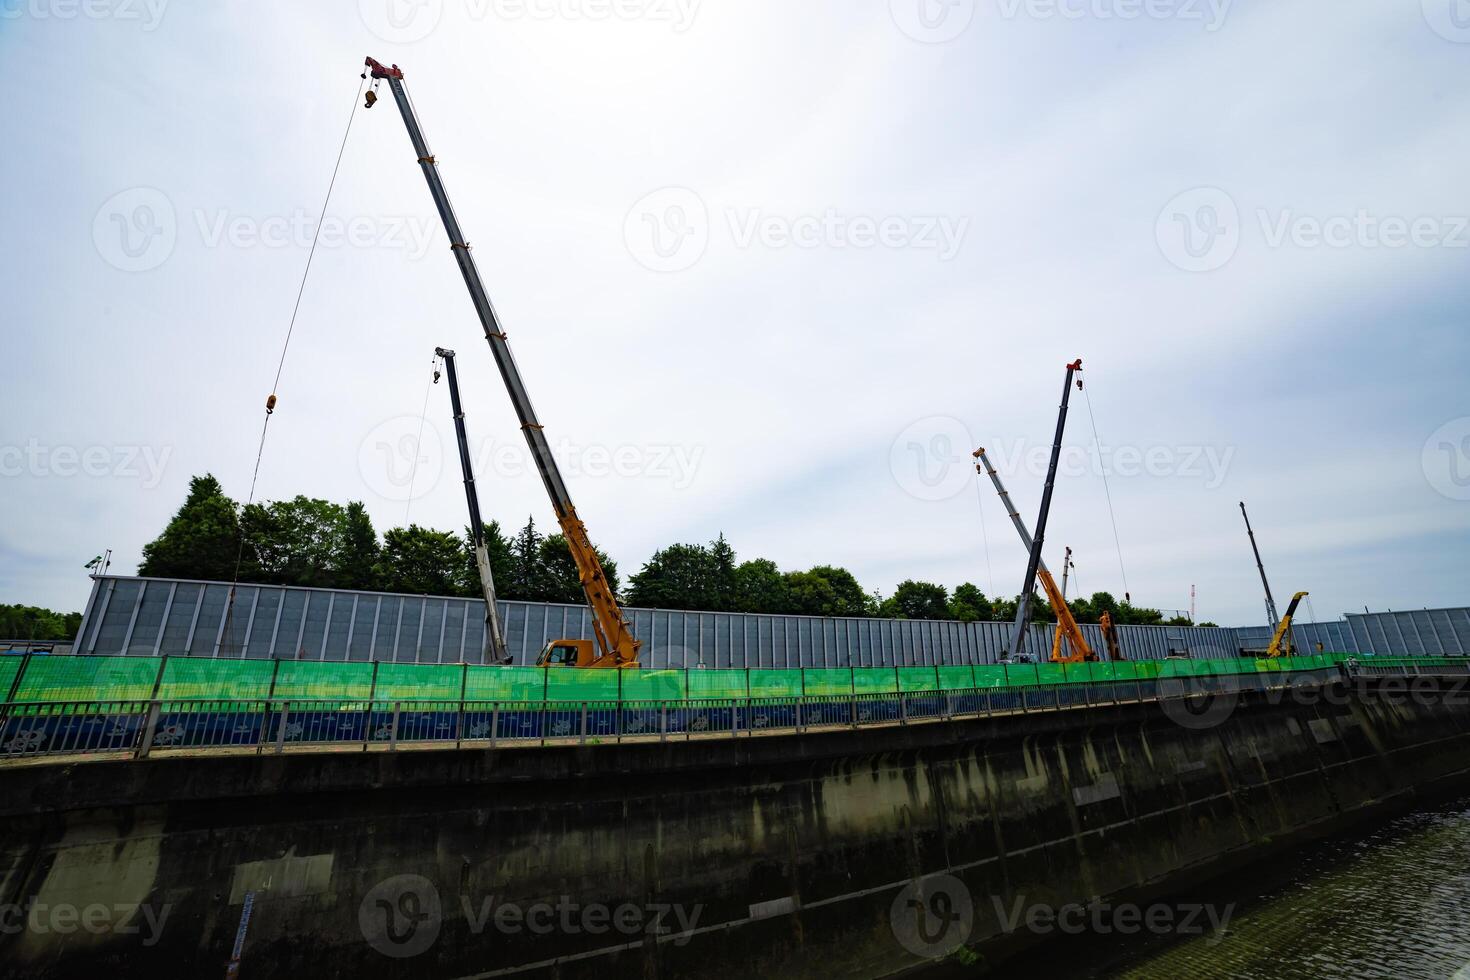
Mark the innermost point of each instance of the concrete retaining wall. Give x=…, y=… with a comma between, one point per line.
x=785, y=855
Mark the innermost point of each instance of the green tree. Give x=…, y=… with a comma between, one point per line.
x=761, y=588
x=355, y=557
x=825, y=590
x=968, y=604
x=723, y=584
x=298, y=541
x=559, y=571
x=680, y=576
x=201, y=541
x=421, y=561
x=34, y=623
x=917, y=600
x=527, y=578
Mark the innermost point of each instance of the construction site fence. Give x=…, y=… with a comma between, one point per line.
x=149, y=617
x=39, y=678
x=135, y=728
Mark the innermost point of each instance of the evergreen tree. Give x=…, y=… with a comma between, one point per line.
x=201, y=541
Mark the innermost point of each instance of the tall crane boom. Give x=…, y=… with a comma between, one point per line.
x=495, y=651
x=1023, y=607
x=1066, y=624
x=1271, y=615
x=616, y=646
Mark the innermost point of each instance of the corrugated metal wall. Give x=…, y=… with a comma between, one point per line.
x=148, y=617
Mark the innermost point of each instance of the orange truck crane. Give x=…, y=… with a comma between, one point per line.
x=1078, y=649
x=613, y=644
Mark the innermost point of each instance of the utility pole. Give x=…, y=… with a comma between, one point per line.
x=1271, y=616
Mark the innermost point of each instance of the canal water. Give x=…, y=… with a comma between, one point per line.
x=1391, y=902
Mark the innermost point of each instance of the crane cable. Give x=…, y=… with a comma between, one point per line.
x=984, y=531
x=270, y=402
x=418, y=442
x=1097, y=444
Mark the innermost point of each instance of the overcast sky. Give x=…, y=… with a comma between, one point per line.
x=771, y=269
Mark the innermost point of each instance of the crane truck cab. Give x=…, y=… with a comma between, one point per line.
x=576, y=653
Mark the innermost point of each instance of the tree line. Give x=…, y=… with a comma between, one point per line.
x=311, y=542
x=34, y=623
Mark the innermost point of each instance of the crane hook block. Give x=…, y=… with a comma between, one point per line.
x=270, y=404
x=372, y=97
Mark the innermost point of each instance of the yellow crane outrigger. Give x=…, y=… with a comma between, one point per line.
x=613, y=644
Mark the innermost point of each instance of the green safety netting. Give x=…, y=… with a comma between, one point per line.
x=418, y=682
x=216, y=679
x=313, y=679
x=70, y=678
x=88, y=678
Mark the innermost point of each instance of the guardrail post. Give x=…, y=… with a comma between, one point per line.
x=150, y=728
x=853, y=705
x=903, y=709
x=494, y=722
x=583, y=738
x=663, y=721
x=393, y=727
x=798, y=716
x=281, y=731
